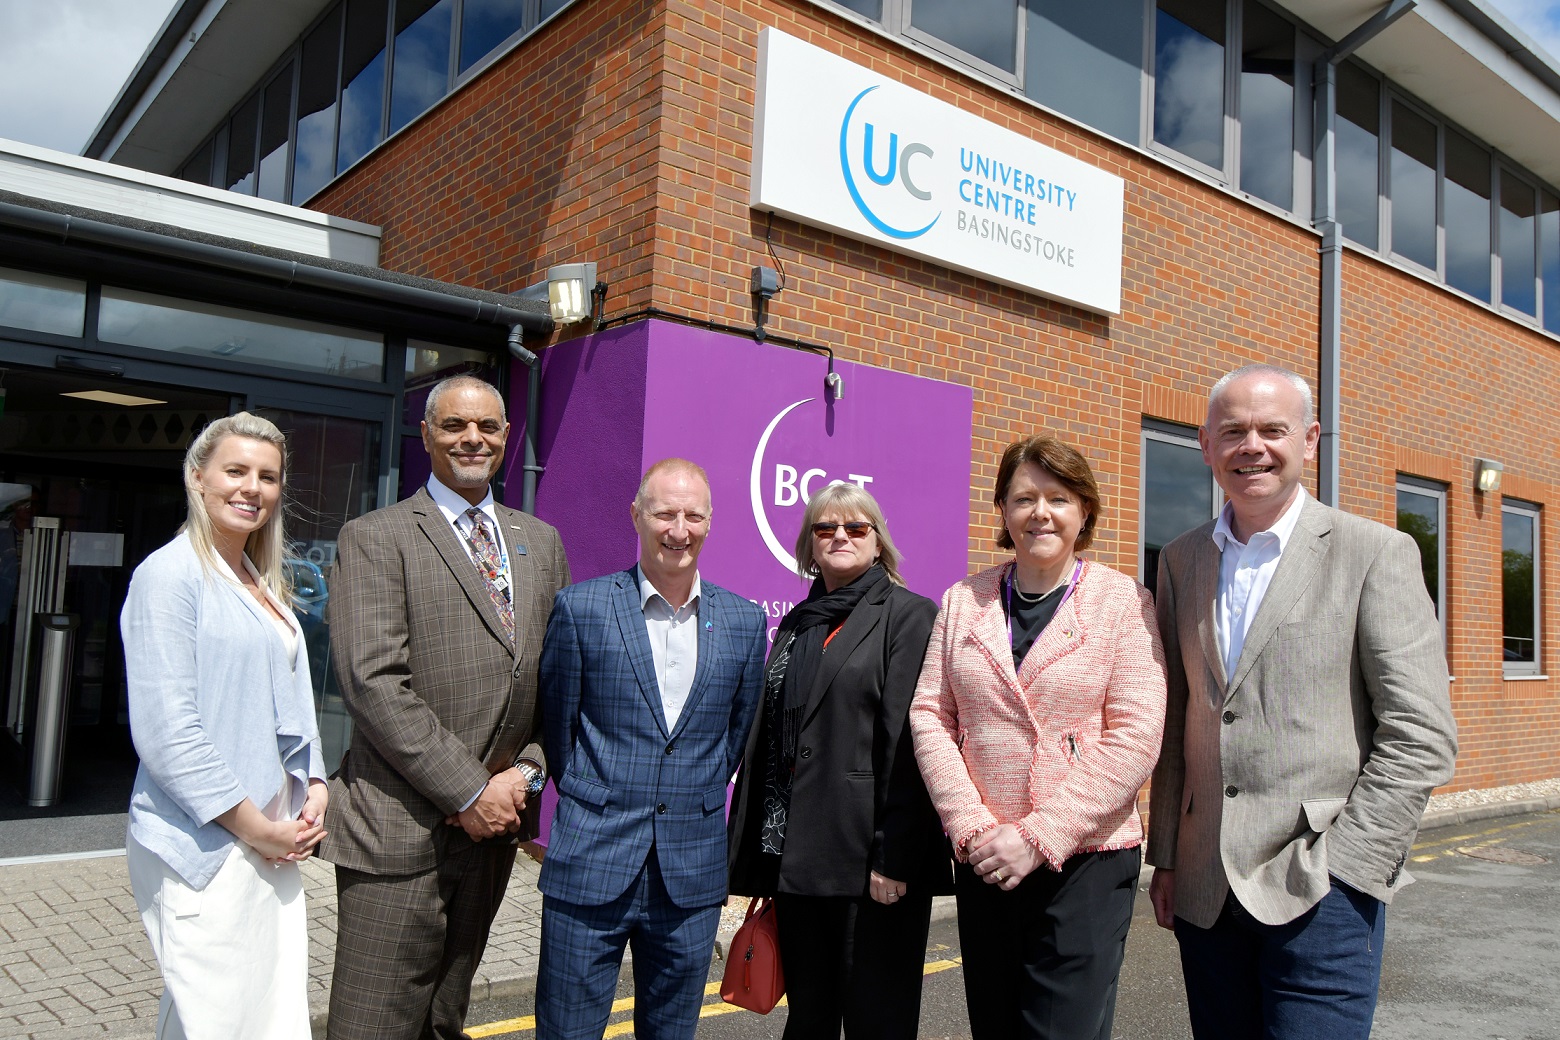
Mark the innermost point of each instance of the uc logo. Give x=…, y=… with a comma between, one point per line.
x=882, y=173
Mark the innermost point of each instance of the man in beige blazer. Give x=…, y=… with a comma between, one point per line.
x=1309, y=718
x=438, y=608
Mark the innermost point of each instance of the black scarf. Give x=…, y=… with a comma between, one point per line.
x=805, y=628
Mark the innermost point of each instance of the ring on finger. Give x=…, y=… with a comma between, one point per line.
x=998, y=875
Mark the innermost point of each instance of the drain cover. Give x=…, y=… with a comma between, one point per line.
x=1502, y=854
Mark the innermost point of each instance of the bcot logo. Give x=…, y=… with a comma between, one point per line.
x=890, y=208
x=790, y=485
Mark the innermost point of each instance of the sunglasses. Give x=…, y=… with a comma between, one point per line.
x=855, y=529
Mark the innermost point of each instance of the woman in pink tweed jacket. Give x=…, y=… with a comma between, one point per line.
x=1037, y=718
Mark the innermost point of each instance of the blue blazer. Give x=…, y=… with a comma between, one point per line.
x=625, y=781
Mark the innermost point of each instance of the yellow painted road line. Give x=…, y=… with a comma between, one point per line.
x=527, y=1023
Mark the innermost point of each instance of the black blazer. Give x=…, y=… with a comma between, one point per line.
x=858, y=803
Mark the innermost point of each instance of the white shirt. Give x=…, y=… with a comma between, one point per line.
x=674, y=643
x=454, y=509
x=1245, y=572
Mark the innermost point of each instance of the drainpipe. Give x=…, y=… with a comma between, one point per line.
x=530, y=469
x=1325, y=213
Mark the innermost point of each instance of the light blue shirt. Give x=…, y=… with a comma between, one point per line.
x=674, y=643
x=1245, y=572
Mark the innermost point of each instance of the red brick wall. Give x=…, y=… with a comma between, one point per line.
x=622, y=133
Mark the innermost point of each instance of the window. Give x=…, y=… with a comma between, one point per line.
x=198, y=169
x=1421, y=514
x=314, y=160
x=421, y=69
x=1357, y=153
x=1549, y=259
x=1518, y=244
x=1412, y=191
x=1467, y=204
x=193, y=329
x=1189, y=79
x=1267, y=106
x=275, y=123
x=241, y=147
x=986, y=30
x=1178, y=490
x=484, y=24
x=42, y=303
x=362, y=81
x=1519, y=588
x=1087, y=60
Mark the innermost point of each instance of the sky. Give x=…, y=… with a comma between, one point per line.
x=62, y=62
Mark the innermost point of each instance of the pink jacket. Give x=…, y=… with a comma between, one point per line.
x=1059, y=749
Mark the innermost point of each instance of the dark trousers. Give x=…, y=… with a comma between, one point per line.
x=582, y=953
x=1042, y=962
x=408, y=946
x=1314, y=978
x=854, y=963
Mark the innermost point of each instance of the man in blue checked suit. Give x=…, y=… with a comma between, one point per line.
x=650, y=679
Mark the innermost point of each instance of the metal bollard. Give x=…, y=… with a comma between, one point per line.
x=57, y=637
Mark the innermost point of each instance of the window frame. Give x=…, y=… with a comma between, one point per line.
x=897, y=16
x=1535, y=513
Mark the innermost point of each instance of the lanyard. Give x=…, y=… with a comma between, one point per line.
x=1007, y=593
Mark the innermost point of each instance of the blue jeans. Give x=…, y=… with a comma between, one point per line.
x=1314, y=978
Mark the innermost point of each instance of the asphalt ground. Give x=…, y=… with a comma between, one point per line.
x=1473, y=951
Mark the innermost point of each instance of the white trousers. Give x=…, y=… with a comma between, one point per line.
x=234, y=955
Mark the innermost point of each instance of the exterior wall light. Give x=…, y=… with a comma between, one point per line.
x=569, y=292
x=1486, y=474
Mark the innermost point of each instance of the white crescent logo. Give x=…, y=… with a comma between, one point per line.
x=756, y=491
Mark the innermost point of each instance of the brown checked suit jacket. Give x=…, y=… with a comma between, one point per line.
x=1315, y=759
x=438, y=699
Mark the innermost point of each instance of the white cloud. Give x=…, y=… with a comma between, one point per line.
x=1540, y=19
x=62, y=63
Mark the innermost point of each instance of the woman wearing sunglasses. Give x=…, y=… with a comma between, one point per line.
x=1037, y=719
x=830, y=815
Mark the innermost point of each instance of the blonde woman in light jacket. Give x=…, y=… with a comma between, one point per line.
x=230, y=794
x=1037, y=718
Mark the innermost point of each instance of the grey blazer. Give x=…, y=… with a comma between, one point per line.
x=1317, y=756
x=438, y=698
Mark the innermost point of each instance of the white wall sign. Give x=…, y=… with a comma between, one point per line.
x=839, y=146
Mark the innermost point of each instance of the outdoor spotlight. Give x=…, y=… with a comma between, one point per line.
x=1486, y=474
x=568, y=291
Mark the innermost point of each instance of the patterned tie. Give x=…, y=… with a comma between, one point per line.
x=484, y=553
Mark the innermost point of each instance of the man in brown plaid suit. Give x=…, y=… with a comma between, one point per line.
x=438, y=608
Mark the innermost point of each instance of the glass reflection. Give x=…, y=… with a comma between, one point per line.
x=1357, y=154
x=1267, y=107
x=314, y=161
x=1189, y=79
x=985, y=29
x=420, y=73
x=484, y=24
x=140, y=319
x=1518, y=239
x=42, y=303
x=1413, y=186
x=363, y=81
x=1467, y=214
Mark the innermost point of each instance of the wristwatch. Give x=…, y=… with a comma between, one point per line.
x=535, y=779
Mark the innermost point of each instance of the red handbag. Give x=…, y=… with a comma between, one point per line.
x=753, y=978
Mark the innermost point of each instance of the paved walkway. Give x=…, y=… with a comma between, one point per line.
x=74, y=961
